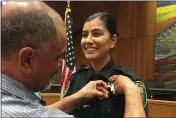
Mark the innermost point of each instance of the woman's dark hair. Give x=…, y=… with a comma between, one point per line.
x=107, y=18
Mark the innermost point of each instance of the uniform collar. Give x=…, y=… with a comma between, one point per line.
x=105, y=72
x=15, y=88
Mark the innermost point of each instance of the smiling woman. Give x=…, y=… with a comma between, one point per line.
x=99, y=37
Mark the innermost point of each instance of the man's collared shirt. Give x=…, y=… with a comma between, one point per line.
x=18, y=101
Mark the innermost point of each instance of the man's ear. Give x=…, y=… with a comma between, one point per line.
x=113, y=41
x=26, y=57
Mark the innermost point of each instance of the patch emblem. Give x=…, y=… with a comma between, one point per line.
x=141, y=85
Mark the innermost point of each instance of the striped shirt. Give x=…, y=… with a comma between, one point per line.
x=18, y=101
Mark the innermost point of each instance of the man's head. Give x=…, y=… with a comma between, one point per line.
x=33, y=42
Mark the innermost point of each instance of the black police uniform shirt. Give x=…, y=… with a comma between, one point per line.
x=112, y=107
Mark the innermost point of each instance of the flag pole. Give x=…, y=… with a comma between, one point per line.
x=68, y=3
x=68, y=64
x=67, y=10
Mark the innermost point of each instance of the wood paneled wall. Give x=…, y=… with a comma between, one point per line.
x=136, y=22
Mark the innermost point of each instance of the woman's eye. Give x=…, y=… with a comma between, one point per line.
x=84, y=35
x=96, y=34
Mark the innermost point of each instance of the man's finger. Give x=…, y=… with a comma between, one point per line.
x=101, y=95
x=102, y=83
x=102, y=89
x=112, y=78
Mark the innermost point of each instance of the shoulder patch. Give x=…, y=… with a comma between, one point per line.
x=141, y=85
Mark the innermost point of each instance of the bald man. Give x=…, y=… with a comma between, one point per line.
x=33, y=43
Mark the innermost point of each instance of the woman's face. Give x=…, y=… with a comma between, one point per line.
x=96, y=40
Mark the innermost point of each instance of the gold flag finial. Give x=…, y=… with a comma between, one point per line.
x=68, y=3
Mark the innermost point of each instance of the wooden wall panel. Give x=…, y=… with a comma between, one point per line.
x=122, y=52
x=124, y=22
x=136, y=56
x=144, y=19
x=148, y=57
x=143, y=41
x=143, y=56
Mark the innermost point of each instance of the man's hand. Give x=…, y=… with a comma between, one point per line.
x=123, y=84
x=94, y=89
x=133, y=100
x=89, y=91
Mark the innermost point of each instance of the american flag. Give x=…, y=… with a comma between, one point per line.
x=68, y=67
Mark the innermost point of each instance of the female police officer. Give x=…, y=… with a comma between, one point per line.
x=98, y=38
